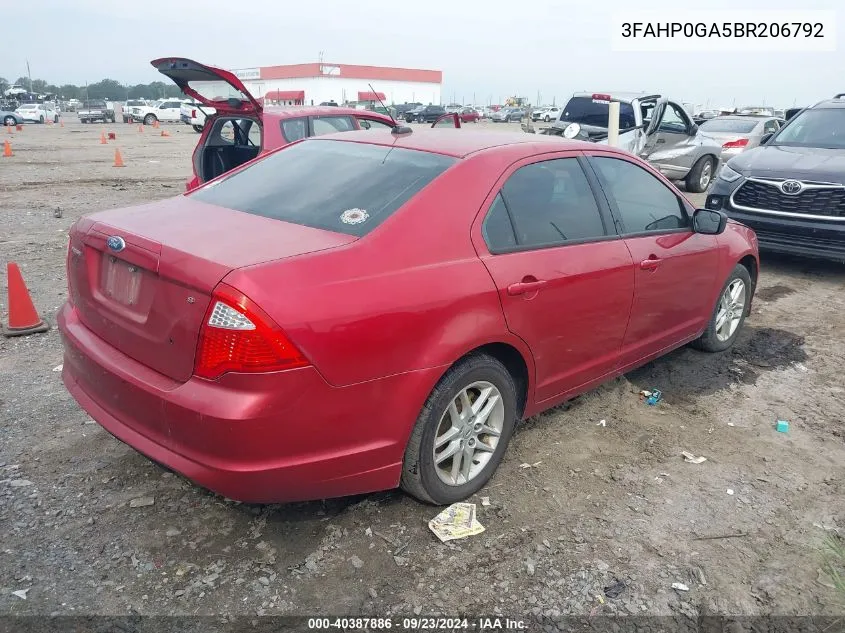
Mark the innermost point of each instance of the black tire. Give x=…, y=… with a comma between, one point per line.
x=693, y=181
x=56, y=119
x=9, y=121
x=41, y=119
x=709, y=341
x=419, y=477
x=420, y=119
x=546, y=118
x=197, y=129
x=150, y=119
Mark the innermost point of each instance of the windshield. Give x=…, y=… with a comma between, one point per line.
x=815, y=128
x=327, y=184
x=740, y=126
x=585, y=111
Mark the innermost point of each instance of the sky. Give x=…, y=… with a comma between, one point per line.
x=487, y=49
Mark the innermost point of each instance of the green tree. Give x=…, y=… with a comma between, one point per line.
x=69, y=91
x=23, y=82
x=3, y=84
x=106, y=89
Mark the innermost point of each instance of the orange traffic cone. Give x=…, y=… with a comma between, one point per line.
x=103, y=140
x=140, y=128
x=155, y=123
x=19, y=128
x=7, y=149
x=8, y=129
x=118, y=159
x=61, y=122
x=165, y=133
x=23, y=317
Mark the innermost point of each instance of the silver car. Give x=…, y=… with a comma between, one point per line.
x=737, y=133
x=650, y=126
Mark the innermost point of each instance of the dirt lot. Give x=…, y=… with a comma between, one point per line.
x=598, y=504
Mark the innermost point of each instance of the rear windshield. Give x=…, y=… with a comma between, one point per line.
x=584, y=111
x=343, y=187
x=728, y=125
x=95, y=104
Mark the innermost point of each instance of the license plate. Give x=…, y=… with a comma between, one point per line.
x=121, y=281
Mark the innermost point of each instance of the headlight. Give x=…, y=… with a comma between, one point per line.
x=728, y=175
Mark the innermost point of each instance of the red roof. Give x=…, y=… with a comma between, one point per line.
x=370, y=96
x=349, y=71
x=285, y=95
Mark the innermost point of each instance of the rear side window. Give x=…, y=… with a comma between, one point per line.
x=550, y=203
x=294, y=129
x=337, y=186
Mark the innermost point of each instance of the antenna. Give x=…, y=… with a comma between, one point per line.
x=375, y=94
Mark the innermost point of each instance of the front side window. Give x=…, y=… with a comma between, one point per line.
x=332, y=185
x=373, y=124
x=673, y=121
x=548, y=203
x=644, y=203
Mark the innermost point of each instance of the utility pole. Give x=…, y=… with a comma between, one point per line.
x=29, y=74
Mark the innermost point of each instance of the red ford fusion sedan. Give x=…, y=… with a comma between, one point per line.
x=366, y=310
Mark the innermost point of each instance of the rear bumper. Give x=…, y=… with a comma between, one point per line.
x=820, y=239
x=276, y=437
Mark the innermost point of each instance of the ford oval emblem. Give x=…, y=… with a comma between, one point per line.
x=116, y=243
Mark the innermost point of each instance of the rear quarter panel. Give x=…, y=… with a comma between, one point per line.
x=410, y=295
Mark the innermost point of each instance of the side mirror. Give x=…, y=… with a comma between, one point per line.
x=765, y=138
x=709, y=222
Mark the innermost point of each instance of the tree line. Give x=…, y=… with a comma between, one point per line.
x=104, y=89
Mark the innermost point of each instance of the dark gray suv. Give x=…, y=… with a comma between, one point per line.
x=791, y=189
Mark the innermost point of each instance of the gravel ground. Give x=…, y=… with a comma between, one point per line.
x=604, y=519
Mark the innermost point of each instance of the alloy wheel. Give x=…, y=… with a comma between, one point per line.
x=468, y=433
x=730, y=311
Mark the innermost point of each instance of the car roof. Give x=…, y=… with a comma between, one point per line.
x=836, y=102
x=458, y=143
x=286, y=112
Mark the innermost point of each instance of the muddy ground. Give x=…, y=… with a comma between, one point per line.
x=599, y=504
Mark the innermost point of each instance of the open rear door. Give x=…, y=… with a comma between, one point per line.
x=452, y=119
x=211, y=86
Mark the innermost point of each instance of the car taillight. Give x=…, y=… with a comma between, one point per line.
x=193, y=114
x=742, y=142
x=237, y=336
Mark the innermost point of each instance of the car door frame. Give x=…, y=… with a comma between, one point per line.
x=484, y=251
x=687, y=207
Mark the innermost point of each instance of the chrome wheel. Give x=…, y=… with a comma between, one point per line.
x=468, y=433
x=9, y=121
x=730, y=311
x=706, y=175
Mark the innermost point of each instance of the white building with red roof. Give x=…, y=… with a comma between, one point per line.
x=319, y=82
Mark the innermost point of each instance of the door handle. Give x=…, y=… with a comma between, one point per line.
x=524, y=287
x=651, y=263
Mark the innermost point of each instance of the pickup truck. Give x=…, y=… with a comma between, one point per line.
x=193, y=113
x=96, y=110
x=127, y=109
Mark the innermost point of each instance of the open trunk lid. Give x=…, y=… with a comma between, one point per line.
x=142, y=278
x=211, y=86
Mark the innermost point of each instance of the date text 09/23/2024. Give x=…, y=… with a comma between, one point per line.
x=481, y=624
